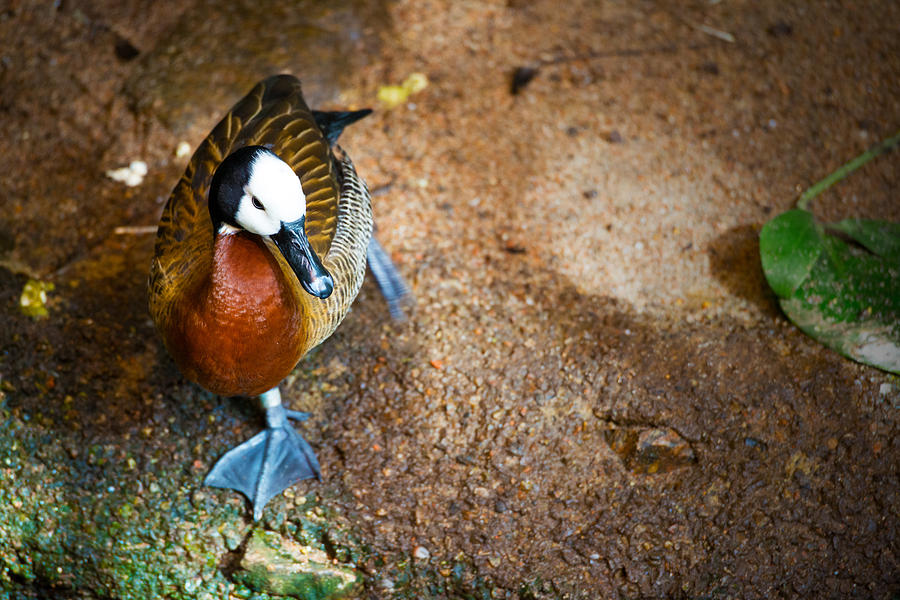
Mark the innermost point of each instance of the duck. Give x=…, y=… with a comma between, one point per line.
x=260, y=251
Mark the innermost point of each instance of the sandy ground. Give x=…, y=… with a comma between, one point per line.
x=585, y=264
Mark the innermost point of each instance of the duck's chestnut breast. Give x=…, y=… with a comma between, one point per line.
x=239, y=330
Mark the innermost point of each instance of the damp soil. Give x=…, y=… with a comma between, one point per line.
x=595, y=396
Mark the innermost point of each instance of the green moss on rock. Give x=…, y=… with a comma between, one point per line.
x=276, y=565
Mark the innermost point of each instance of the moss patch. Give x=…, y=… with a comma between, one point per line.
x=276, y=565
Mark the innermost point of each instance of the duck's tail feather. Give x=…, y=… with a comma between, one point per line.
x=332, y=123
x=389, y=280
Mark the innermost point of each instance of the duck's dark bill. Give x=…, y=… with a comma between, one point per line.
x=294, y=245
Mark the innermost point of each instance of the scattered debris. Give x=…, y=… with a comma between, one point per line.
x=135, y=229
x=780, y=29
x=33, y=301
x=124, y=49
x=392, y=96
x=709, y=66
x=521, y=77
x=132, y=175
x=716, y=33
x=182, y=150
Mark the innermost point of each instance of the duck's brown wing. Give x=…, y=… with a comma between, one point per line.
x=274, y=115
x=292, y=133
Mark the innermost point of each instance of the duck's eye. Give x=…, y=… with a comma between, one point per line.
x=256, y=203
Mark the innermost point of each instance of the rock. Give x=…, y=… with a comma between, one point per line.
x=275, y=565
x=232, y=535
x=614, y=137
x=187, y=77
x=650, y=450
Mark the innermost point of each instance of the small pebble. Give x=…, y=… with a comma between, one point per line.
x=232, y=538
x=124, y=49
x=710, y=67
x=521, y=77
x=421, y=553
x=182, y=150
x=780, y=29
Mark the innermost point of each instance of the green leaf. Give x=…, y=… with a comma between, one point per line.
x=880, y=237
x=846, y=296
x=851, y=300
x=863, y=342
x=789, y=246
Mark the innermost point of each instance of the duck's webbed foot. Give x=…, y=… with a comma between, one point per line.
x=269, y=462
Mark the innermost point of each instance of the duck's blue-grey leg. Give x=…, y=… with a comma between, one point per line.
x=389, y=280
x=269, y=462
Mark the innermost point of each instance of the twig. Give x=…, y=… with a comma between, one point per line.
x=135, y=229
x=717, y=33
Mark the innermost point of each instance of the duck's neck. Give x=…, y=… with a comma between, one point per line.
x=242, y=265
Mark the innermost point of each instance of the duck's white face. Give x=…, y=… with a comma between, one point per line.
x=272, y=196
x=256, y=191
